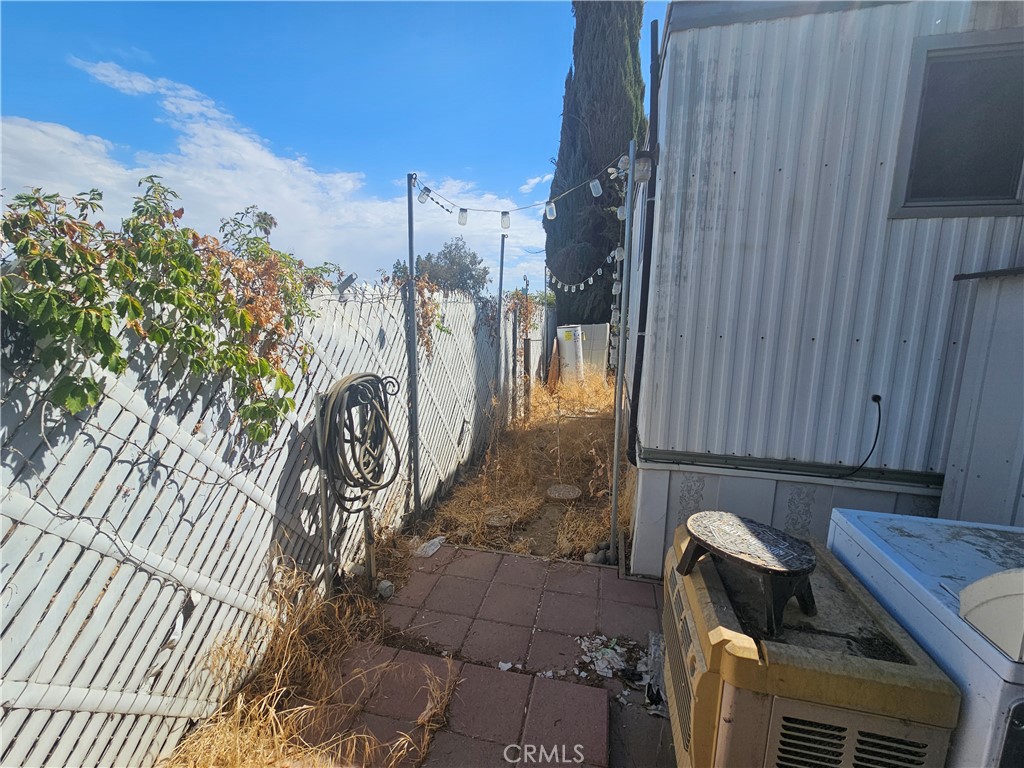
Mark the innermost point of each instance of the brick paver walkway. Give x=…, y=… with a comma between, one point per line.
x=482, y=609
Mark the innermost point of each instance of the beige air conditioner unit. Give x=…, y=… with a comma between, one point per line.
x=846, y=688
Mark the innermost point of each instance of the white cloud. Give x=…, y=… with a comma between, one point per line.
x=528, y=187
x=220, y=167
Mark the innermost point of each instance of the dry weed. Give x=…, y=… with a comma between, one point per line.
x=439, y=697
x=566, y=440
x=290, y=709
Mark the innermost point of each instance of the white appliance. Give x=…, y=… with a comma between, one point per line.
x=570, y=352
x=917, y=568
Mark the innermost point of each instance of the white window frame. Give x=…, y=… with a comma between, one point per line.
x=900, y=209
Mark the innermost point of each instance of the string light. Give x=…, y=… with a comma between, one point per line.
x=550, y=212
x=426, y=193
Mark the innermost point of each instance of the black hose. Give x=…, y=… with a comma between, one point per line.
x=353, y=435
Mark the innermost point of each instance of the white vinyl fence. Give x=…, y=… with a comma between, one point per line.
x=136, y=534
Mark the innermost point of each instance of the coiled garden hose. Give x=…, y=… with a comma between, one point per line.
x=357, y=453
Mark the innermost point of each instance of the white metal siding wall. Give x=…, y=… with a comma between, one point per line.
x=112, y=522
x=985, y=475
x=783, y=295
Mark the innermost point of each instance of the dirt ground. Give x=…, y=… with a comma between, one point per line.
x=507, y=504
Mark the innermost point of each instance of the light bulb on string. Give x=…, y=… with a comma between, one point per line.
x=619, y=253
x=424, y=195
x=590, y=280
x=565, y=288
x=609, y=258
x=505, y=221
x=549, y=210
x=595, y=187
x=463, y=216
x=616, y=288
x=574, y=289
x=600, y=271
x=621, y=213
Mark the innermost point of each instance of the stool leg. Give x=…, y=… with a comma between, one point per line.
x=691, y=553
x=805, y=597
x=776, y=595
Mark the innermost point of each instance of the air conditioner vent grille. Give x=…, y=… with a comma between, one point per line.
x=684, y=638
x=809, y=744
x=875, y=750
x=802, y=761
x=807, y=735
x=680, y=680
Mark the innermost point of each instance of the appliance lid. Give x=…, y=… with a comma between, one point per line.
x=994, y=605
x=934, y=559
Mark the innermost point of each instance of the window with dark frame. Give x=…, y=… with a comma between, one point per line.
x=962, y=146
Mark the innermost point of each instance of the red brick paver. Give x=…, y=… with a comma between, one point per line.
x=626, y=590
x=551, y=651
x=399, y=616
x=624, y=620
x=572, y=579
x=489, y=642
x=564, y=715
x=511, y=604
x=361, y=670
x=453, y=750
x=471, y=564
x=394, y=737
x=568, y=614
x=456, y=595
x=522, y=571
x=446, y=630
x=415, y=590
x=402, y=692
x=436, y=562
x=490, y=704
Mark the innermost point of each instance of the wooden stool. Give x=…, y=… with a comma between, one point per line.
x=784, y=562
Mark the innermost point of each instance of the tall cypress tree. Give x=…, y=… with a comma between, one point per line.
x=603, y=108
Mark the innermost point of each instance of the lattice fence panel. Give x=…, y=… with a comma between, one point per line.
x=135, y=535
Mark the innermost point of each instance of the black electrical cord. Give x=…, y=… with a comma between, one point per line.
x=877, y=400
x=353, y=435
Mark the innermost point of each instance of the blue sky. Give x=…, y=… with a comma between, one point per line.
x=313, y=111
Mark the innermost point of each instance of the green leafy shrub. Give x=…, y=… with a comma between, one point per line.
x=228, y=308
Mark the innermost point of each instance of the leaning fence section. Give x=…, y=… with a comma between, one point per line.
x=137, y=535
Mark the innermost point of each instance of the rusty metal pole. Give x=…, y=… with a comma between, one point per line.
x=410, y=346
x=623, y=315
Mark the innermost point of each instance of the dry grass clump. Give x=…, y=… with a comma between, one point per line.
x=290, y=708
x=439, y=696
x=566, y=440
